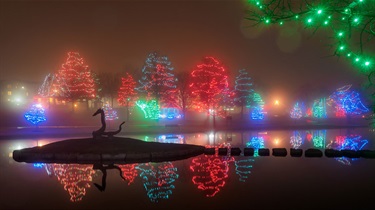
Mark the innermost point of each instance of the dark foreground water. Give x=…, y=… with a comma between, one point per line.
x=202, y=182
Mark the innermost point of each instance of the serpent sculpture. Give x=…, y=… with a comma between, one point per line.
x=101, y=131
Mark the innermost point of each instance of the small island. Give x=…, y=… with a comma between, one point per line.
x=107, y=151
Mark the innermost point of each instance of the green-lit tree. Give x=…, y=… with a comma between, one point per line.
x=257, y=108
x=243, y=90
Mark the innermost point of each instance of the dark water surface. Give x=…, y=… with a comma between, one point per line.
x=201, y=182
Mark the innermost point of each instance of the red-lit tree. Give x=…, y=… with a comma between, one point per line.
x=74, y=80
x=209, y=82
x=127, y=96
x=158, y=82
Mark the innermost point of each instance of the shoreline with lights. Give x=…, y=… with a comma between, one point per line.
x=29, y=132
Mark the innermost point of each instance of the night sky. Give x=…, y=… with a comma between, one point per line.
x=117, y=36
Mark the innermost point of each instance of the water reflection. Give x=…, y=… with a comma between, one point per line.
x=207, y=173
x=210, y=172
x=158, y=179
x=129, y=172
x=256, y=142
x=171, y=138
x=351, y=142
x=103, y=168
x=319, y=138
x=243, y=168
x=75, y=178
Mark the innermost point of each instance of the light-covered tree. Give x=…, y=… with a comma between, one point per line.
x=74, y=80
x=209, y=81
x=243, y=90
x=127, y=96
x=158, y=81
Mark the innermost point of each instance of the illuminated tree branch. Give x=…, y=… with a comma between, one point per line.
x=351, y=23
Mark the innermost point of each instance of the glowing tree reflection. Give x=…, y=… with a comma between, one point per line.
x=256, y=142
x=319, y=138
x=243, y=168
x=170, y=138
x=75, y=178
x=296, y=139
x=351, y=142
x=158, y=179
x=210, y=173
x=129, y=172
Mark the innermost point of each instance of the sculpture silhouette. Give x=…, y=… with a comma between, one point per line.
x=103, y=169
x=112, y=133
x=101, y=132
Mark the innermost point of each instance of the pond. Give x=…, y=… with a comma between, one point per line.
x=204, y=181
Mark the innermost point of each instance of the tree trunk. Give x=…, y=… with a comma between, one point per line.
x=214, y=119
x=127, y=110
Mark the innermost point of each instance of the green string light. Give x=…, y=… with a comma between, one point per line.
x=345, y=21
